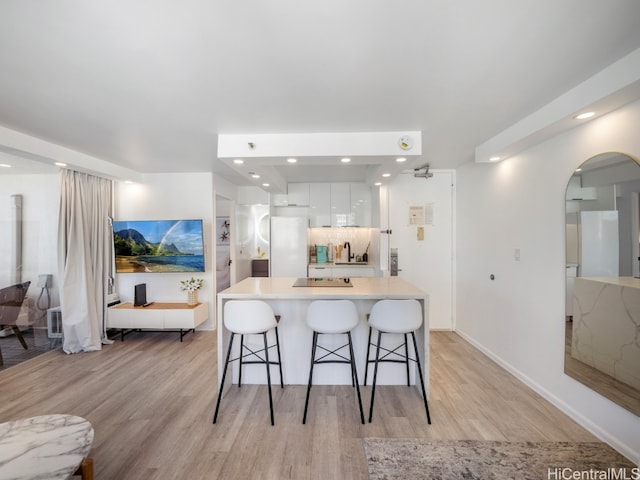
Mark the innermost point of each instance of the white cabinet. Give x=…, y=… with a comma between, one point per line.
x=353, y=272
x=320, y=204
x=339, y=204
x=298, y=194
x=157, y=316
x=320, y=272
x=340, y=271
x=575, y=191
x=360, y=198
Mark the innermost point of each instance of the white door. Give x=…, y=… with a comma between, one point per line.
x=425, y=247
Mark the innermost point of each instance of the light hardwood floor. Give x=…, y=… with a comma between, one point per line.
x=150, y=400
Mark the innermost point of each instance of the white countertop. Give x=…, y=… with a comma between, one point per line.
x=282, y=288
x=619, y=281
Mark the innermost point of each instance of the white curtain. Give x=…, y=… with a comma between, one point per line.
x=84, y=255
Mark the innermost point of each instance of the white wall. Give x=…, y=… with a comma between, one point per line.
x=170, y=196
x=40, y=206
x=518, y=317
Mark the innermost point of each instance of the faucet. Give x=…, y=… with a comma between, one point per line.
x=347, y=245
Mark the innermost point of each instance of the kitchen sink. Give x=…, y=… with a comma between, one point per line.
x=351, y=263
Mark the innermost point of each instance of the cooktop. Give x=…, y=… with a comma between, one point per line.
x=323, y=282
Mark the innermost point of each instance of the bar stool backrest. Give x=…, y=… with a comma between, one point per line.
x=396, y=316
x=248, y=317
x=332, y=316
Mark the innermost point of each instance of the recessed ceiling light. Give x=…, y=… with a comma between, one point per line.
x=238, y=161
x=584, y=116
x=60, y=164
x=578, y=169
x=386, y=175
x=377, y=184
x=5, y=165
x=255, y=175
x=494, y=159
x=401, y=159
x=292, y=160
x=345, y=160
x=265, y=184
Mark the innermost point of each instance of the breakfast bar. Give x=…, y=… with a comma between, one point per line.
x=290, y=297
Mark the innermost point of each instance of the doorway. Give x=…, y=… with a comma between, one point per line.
x=223, y=243
x=421, y=219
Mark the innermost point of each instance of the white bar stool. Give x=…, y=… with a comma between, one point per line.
x=397, y=317
x=250, y=317
x=332, y=317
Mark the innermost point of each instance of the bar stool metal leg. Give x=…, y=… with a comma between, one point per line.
x=313, y=356
x=354, y=376
x=375, y=375
x=366, y=364
x=240, y=360
x=279, y=357
x=406, y=356
x=424, y=394
x=393, y=360
x=266, y=353
x=224, y=376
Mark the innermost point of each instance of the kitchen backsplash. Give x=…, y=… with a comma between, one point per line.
x=359, y=238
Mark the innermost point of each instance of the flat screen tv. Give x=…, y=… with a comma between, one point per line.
x=158, y=246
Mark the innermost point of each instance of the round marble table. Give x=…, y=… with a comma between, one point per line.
x=48, y=446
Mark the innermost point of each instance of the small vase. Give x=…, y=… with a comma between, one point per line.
x=192, y=298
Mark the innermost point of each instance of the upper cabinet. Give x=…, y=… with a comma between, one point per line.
x=338, y=204
x=360, y=197
x=298, y=194
x=320, y=204
x=575, y=190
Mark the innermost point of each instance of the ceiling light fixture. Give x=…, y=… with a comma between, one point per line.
x=60, y=164
x=494, y=159
x=255, y=175
x=5, y=165
x=386, y=175
x=238, y=161
x=265, y=184
x=292, y=160
x=345, y=160
x=578, y=169
x=584, y=116
x=401, y=159
x=377, y=184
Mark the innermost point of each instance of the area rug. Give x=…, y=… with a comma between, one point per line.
x=390, y=459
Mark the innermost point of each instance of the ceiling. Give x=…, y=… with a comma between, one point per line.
x=150, y=85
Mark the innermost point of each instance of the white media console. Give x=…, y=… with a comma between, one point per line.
x=180, y=317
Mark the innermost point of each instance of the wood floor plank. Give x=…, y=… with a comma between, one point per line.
x=150, y=400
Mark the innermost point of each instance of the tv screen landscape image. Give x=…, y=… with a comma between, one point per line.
x=158, y=246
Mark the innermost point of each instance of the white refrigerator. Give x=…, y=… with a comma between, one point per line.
x=598, y=244
x=289, y=250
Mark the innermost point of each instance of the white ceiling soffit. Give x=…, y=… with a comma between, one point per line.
x=265, y=156
x=608, y=90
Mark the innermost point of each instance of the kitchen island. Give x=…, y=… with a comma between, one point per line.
x=291, y=304
x=606, y=322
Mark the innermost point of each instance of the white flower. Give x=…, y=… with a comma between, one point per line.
x=191, y=285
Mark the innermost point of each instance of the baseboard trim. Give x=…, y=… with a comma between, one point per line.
x=585, y=422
